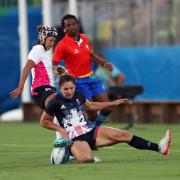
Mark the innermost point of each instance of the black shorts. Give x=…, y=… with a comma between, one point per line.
x=89, y=137
x=42, y=92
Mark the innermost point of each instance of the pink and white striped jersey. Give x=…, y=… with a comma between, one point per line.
x=42, y=73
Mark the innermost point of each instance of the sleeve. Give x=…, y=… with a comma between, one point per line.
x=51, y=108
x=58, y=53
x=34, y=55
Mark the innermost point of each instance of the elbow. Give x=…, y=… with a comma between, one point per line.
x=42, y=123
x=94, y=108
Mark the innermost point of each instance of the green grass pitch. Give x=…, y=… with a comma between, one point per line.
x=25, y=155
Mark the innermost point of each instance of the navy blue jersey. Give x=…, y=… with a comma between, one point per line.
x=70, y=114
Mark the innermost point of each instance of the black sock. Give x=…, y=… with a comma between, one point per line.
x=140, y=143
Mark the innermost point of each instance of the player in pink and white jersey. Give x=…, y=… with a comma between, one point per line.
x=40, y=64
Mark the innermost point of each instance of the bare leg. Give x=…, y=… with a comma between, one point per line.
x=49, y=98
x=82, y=152
x=107, y=136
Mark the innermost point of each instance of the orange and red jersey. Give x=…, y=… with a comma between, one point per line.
x=76, y=55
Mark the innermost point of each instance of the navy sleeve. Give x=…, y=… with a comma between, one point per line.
x=51, y=108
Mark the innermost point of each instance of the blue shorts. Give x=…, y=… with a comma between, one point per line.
x=42, y=92
x=89, y=137
x=90, y=86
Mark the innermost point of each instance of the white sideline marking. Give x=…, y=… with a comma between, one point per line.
x=46, y=145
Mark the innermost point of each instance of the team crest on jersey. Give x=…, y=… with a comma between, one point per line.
x=87, y=47
x=76, y=51
x=77, y=100
x=63, y=107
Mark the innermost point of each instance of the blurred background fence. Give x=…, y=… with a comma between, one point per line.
x=127, y=23
x=120, y=23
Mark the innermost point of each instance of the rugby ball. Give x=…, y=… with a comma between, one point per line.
x=60, y=155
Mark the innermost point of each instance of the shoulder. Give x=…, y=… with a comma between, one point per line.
x=87, y=41
x=84, y=36
x=37, y=48
x=54, y=104
x=56, y=100
x=78, y=95
x=61, y=43
x=36, y=53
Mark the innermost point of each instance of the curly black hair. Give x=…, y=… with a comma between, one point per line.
x=68, y=16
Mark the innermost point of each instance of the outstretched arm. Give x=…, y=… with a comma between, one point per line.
x=103, y=105
x=16, y=92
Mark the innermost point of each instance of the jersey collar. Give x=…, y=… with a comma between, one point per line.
x=69, y=38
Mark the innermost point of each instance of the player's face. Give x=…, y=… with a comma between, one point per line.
x=68, y=89
x=71, y=27
x=50, y=41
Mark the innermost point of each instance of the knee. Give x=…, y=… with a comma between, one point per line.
x=82, y=152
x=126, y=136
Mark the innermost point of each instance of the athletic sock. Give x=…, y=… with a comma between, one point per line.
x=140, y=143
x=101, y=118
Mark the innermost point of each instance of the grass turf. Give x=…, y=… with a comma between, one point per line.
x=25, y=155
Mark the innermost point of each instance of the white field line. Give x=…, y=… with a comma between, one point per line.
x=46, y=145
